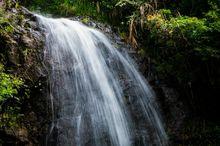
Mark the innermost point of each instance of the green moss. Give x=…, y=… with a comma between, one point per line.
x=5, y=23
x=122, y=34
x=85, y=20
x=9, y=20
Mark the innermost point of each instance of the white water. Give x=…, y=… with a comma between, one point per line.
x=98, y=98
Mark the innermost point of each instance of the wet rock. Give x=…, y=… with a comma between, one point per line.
x=22, y=56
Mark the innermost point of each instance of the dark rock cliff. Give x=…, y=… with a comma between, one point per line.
x=21, y=53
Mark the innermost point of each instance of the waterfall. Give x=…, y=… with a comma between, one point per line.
x=98, y=98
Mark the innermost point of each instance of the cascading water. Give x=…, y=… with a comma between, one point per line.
x=98, y=98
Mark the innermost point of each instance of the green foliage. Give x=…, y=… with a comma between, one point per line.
x=85, y=20
x=5, y=26
x=67, y=8
x=109, y=5
x=9, y=21
x=84, y=8
x=135, y=3
x=213, y=18
x=166, y=13
x=178, y=40
x=9, y=86
x=190, y=27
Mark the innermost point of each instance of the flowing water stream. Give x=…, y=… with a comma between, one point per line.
x=98, y=98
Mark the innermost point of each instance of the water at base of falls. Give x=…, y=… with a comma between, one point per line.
x=98, y=98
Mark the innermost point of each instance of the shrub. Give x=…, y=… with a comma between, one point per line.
x=9, y=101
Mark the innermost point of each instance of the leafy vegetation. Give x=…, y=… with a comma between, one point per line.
x=67, y=8
x=9, y=101
x=5, y=26
x=185, y=52
x=179, y=40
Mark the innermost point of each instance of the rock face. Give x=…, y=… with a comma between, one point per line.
x=21, y=53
